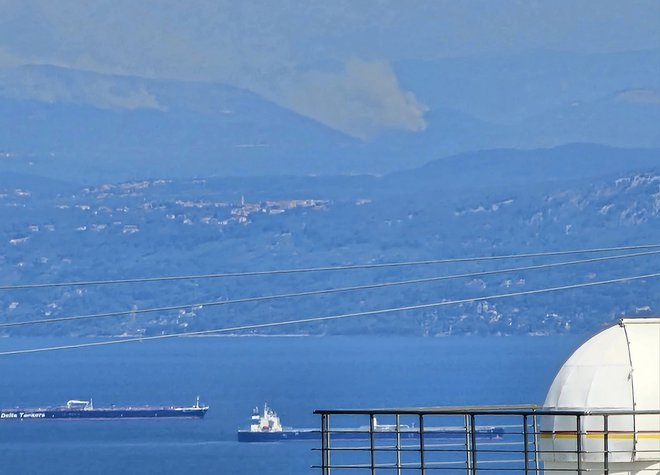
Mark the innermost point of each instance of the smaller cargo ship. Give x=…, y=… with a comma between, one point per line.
x=265, y=426
x=85, y=410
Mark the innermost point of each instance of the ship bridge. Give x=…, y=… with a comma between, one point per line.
x=601, y=416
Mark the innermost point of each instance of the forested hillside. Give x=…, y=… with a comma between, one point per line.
x=55, y=231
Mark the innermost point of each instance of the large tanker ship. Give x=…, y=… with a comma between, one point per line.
x=76, y=409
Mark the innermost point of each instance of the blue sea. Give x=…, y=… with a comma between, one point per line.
x=294, y=375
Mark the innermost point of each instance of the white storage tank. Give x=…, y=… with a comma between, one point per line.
x=616, y=370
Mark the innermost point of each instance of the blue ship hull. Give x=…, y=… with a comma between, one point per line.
x=287, y=434
x=363, y=434
x=102, y=413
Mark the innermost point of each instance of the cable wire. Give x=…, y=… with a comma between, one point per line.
x=324, y=269
x=317, y=292
x=328, y=318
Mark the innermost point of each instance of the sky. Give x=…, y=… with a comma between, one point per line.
x=329, y=60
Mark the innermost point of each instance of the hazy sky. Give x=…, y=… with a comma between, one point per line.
x=327, y=59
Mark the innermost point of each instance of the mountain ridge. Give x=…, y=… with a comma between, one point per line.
x=67, y=122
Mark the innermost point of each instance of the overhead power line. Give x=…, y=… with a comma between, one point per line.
x=308, y=293
x=329, y=318
x=325, y=268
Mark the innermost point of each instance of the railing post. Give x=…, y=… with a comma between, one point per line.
x=372, y=453
x=536, y=443
x=325, y=444
x=421, y=444
x=468, y=441
x=525, y=444
x=473, y=443
x=578, y=445
x=606, y=448
x=398, y=444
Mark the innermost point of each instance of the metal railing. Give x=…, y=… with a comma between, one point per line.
x=489, y=440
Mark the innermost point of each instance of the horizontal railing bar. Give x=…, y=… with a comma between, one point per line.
x=484, y=411
x=563, y=470
x=507, y=471
x=489, y=444
x=435, y=430
x=416, y=469
x=434, y=450
x=437, y=450
x=441, y=468
x=430, y=444
x=531, y=451
x=417, y=410
x=443, y=451
x=378, y=449
x=586, y=452
x=501, y=461
x=409, y=448
x=450, y=465
x=385, y=467
x=430, y=465
x=426, y=444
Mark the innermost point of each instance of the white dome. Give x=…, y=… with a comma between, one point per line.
x=618, y=369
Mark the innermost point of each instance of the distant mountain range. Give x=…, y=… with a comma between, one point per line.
x=67, y=125
x=496, y=170
x=90, y=127
x=512, y=89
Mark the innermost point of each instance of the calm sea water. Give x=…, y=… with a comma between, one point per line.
x=295, y=375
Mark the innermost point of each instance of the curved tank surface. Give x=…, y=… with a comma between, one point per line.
x=616, y=371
